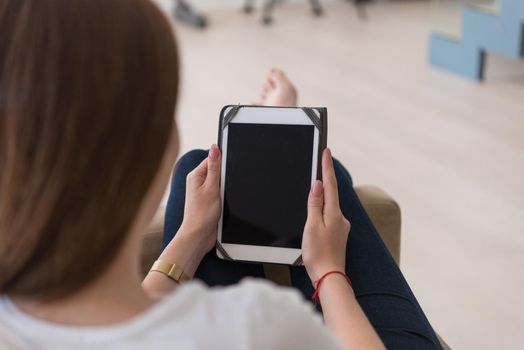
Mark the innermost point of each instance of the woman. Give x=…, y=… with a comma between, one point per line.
x=87, y=142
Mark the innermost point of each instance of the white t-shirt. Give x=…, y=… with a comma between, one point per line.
x=251, y=315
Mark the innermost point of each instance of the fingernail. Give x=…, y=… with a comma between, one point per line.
x=213, y=152
x=328, y=151
x=317, y=188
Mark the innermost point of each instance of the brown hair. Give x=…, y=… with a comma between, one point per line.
x=87, y=96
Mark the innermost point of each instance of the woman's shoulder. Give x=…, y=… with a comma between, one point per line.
x=258, y=291
x=256, y=308
x=254, y=314
x=250, y=294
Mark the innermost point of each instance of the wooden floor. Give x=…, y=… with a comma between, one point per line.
x=451, y=151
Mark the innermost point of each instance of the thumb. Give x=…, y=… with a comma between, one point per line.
x=315, y=203
x=213, y=166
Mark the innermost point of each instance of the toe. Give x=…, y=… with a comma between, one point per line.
x=280, y=79
x=266, y=87
x=271, y=83
x=276, y=72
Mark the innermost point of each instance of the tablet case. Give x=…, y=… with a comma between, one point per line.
x=320, y=122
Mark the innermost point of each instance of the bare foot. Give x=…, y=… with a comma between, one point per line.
x=277, y=90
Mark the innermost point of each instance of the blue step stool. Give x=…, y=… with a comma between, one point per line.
x=501, y=32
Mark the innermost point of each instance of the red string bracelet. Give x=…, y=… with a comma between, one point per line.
x=319, y=281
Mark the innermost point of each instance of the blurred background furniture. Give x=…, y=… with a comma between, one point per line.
x=466, y=30
x=316, y=8
x=186, y=14
x=381, y=208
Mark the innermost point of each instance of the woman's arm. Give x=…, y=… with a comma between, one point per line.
x=344, y=316
x=324, y=249
x=198, y=233
x=181, y=251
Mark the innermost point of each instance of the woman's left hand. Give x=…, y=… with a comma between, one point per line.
x=203, y=203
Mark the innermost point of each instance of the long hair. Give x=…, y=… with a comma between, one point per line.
x=87, y=96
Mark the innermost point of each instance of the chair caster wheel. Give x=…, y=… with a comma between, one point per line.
x=267, y=20
x=318, y=12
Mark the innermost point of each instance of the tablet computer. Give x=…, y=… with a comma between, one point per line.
x=270, y=158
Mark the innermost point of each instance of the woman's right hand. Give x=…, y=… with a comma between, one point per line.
x=326, y=231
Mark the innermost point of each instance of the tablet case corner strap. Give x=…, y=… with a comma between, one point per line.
x=222, y=251
x=313, y=116
x=230, y=115
x=298, y=262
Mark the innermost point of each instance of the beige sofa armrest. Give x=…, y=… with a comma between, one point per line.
x=385, y=214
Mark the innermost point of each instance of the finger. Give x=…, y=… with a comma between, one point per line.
x=199, y=174
x=315, y=203
x=213, y=165
x=330, y=183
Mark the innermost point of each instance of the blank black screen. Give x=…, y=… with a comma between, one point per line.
x=268, y=177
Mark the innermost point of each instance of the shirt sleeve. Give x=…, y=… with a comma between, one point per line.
x=279, y=318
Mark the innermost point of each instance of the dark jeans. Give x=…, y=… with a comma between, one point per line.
x=379, y=286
